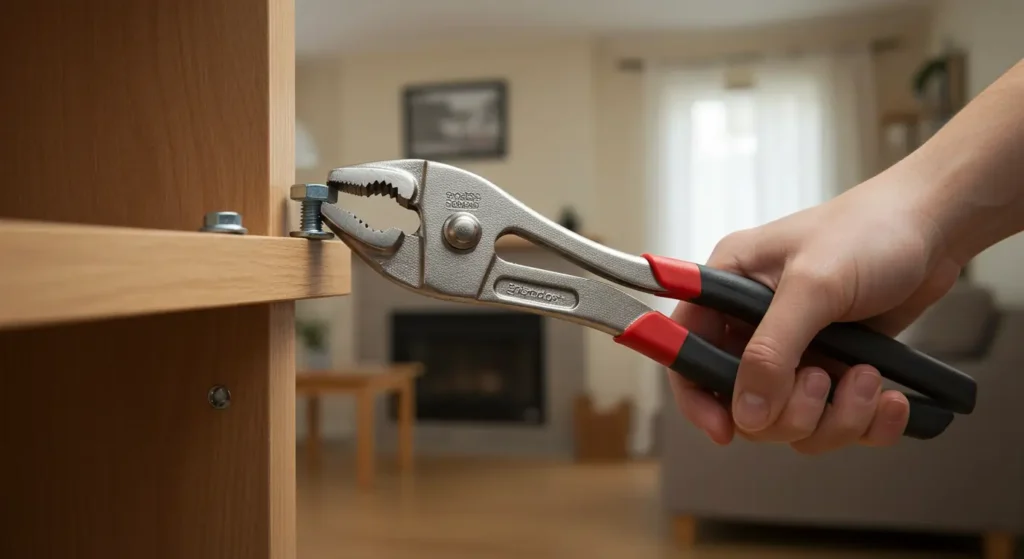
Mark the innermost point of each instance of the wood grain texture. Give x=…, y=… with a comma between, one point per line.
x=149, y=115
x=279, y=44
x=143, y=114
x=281, y=70
x=495, y=508
x=73, y=272
x=280, y=419
x=118, y=451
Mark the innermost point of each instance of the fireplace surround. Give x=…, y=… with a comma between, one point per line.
x=484, y=367
x=509, y=390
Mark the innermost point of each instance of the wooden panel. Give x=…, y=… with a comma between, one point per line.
x=150, y=114
x=140, y=113
x=280, y=46
x=113, y=450
x=280, y=416
x=72, y=272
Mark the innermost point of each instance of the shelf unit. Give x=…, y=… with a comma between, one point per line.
x=61, y=272
x=123, y=126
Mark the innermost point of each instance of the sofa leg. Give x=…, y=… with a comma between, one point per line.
x=998, y=545
x=684, y=530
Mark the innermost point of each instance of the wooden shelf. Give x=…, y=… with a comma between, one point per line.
x=67, y=273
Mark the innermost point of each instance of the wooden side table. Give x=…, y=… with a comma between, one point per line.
x=365, y=383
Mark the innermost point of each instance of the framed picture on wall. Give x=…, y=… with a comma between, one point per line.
x=461, y=120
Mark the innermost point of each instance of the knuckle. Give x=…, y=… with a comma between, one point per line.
x=764, y=355
x=729, y=247
x=733, y=240
x=822, y=280
x=801, y=426
x=817, y=277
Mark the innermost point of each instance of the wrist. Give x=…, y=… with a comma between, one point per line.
x=968, y=179
x=959, y=214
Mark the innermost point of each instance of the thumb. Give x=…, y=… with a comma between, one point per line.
x=803, y=305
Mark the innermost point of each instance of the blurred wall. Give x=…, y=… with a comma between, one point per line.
x=990, y=31
x=576, y=126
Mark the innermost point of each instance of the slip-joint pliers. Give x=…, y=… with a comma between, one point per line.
x=452, y=256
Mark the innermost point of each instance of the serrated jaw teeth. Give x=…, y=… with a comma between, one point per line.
x=343, y=222
x=374, y=181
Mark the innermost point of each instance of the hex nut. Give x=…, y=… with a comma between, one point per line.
x=314, y=193
x=223, y=222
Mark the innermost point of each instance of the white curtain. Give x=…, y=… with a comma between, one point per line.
x=735, y=146
x=732, y=147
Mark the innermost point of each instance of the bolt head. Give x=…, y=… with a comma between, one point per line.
x=223, y=222
x=219, y=397
x=314, y=193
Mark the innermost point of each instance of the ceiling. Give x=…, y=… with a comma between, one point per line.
x=326, y=27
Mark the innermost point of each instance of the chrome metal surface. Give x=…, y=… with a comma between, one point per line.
x=462, y=230
x=445, y=190
x=223, y=222
x=585, y=301
x=344, y=223
x=397, y=179
x=313, y=193
x=452, y=254
x=312, y=196
x=219, y=397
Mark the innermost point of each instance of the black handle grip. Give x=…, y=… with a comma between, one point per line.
x=850, y=343
x=715, y=370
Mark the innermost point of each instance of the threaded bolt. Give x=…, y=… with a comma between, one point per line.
x=312, y=197
x=311, y=220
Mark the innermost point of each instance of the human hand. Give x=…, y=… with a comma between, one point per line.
x=870, y=255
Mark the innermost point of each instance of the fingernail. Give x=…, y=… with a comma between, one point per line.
x=894, y=411
x=867, y=384
x=816, y=385
x=751, y=411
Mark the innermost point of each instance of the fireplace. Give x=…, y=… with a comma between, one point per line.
x=479, y=367
x=514, y=410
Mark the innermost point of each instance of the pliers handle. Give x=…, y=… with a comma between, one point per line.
x=667, y=342
x=452, y=257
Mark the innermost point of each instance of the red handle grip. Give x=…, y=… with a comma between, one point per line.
x=847, y=342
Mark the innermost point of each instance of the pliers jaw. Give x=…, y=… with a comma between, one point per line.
x=392, y=252
x=399, y=179
x=452, y=254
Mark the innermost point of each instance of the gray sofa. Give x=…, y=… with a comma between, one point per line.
x=970, y=480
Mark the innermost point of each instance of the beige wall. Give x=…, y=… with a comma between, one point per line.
x=576, y=137
x=991, y=33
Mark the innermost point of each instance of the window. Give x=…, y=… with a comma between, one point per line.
x=730, y=158
x=722, y=157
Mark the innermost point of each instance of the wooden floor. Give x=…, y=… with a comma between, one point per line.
x=497, y=509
